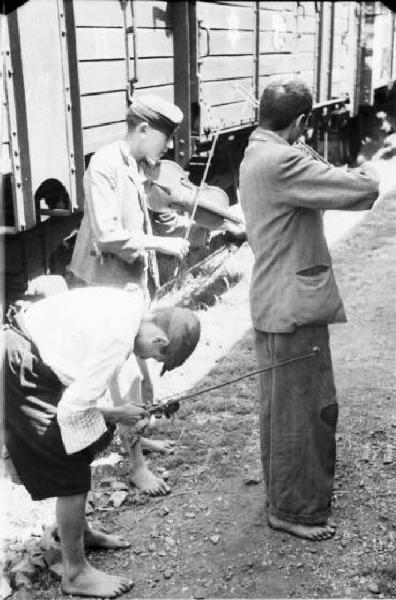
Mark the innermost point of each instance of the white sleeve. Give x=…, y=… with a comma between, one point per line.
x=80, y=420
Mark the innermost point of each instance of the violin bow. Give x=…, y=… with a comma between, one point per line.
x=202, y=183
x=170, y=405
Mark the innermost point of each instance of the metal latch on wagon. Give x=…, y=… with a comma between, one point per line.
x=130, y=30
x=206, y=29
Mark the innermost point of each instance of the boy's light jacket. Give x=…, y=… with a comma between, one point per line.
x=109, y=249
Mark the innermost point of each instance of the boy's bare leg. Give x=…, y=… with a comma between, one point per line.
x=79, y=577
x=147, y=398
x=95, y=538
x=139, y=474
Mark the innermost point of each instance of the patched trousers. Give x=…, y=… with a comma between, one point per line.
x=298, y=418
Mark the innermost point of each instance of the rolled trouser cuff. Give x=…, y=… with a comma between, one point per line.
x=318, y=518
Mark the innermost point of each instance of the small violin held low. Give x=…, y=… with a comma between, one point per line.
x=170, y=187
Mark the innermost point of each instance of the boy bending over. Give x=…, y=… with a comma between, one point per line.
x=63, y=354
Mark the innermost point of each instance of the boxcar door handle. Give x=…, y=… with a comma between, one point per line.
x=203, y=27
x=131, y=81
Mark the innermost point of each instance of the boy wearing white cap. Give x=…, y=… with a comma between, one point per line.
x=115, y=244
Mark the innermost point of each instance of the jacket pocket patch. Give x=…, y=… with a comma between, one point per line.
x=315, y=297
x=311, y=271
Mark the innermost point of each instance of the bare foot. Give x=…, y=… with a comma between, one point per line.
x=315, y=533
x=147, y=482
x=163, y=446
x=94, y=538
x=88, y=581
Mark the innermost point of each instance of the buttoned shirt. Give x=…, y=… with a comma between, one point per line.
x=283, y=195
x=85, y=336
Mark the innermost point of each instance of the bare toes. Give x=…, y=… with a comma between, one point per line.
x=126, y=585
x=326, y=534
x=332, y=524
x=165, y=489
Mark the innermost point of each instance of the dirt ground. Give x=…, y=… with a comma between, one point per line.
x=209, y=538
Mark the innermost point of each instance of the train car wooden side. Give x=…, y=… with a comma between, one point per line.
x=344, y=52
x=120, y=46
x=100, y=71
x=225, y=38
x=71, y=67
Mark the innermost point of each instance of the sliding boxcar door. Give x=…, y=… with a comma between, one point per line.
x=41, y=95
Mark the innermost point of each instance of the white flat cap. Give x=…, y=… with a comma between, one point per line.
x=159, y=113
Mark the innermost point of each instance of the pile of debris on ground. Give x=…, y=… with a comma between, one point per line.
x=202, y=285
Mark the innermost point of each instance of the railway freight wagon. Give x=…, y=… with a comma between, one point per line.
x=70, y=68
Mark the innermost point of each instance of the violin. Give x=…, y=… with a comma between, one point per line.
x=170, y=187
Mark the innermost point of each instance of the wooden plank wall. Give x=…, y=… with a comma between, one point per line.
x=100, y=41
x=288, y=38
x=345, y=51
x=383, y=46
x=276, y=40
x=307, y=23
x=154, y=48
x=100, y=38
x=227, y=63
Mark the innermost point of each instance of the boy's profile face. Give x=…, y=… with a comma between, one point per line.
x=154, y=347
x=155, y=143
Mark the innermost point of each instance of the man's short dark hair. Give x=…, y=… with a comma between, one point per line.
x=282, y=101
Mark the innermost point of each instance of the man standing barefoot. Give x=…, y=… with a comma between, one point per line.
x=293, y=299
x=62, y=355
